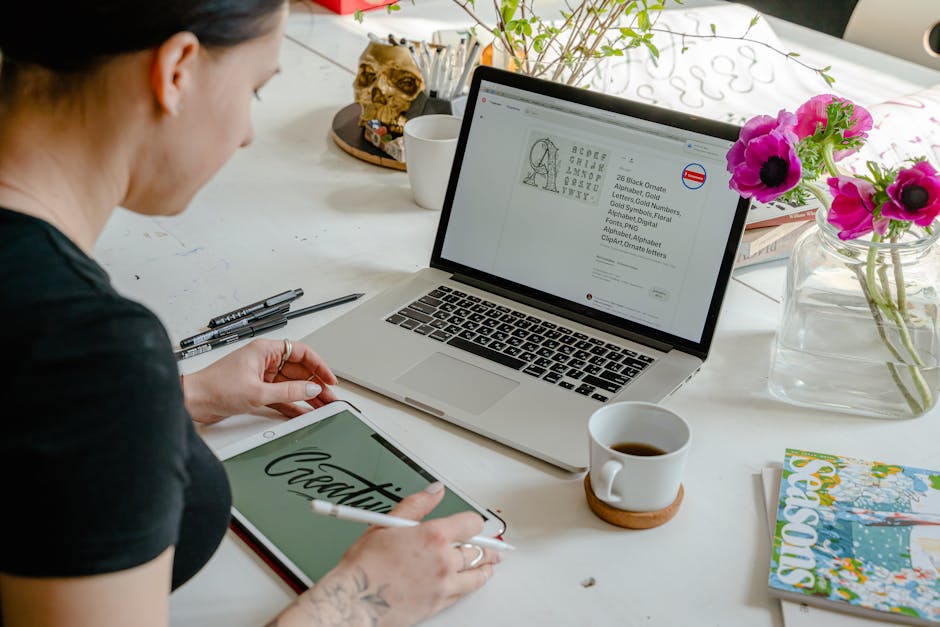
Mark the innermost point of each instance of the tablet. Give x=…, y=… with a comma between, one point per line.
x=334, y=454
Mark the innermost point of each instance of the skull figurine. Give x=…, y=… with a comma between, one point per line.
x=387, y=83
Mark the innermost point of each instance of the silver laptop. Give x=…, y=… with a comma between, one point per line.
x=583, y=252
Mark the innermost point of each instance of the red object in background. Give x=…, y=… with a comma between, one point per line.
x=344, y=7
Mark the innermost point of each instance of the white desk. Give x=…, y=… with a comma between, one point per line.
x=294, y=211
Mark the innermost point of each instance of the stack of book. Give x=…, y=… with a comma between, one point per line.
x=856, y=543
x=772, y=229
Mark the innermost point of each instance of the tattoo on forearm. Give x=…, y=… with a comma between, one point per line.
x=348, y=601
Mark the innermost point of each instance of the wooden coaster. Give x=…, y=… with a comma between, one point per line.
x=347, y=134
x=630, y=520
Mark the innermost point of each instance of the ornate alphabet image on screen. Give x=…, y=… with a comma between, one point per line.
x=564, y=167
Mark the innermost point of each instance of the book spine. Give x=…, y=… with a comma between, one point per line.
x=777, y=249
x=800, y=216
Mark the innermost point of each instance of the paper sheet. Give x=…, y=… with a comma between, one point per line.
x=723, y=79
x=904, y=128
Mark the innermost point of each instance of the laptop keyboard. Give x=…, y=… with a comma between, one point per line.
x=550, y=352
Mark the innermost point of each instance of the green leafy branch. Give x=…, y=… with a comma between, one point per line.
x=822, y=72
x=568, y=49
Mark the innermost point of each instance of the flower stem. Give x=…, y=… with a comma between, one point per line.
x=874, y=292
x=916, y=375
x=899, y=280
x=883, y=300
x=880, y=327
x=895, y=316
x=911, y=401
x=818, y=192
x=828, y=158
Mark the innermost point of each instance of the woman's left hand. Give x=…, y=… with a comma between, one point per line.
x=257, y=375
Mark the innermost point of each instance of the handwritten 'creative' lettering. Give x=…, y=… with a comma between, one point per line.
x=310, y=474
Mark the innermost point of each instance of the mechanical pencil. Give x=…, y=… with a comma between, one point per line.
x=344, y=512
x=277, y=299
x=265, y=324
x=231, y=327
x=274, y=320
x=324, y=305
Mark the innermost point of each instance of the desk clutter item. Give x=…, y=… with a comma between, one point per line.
x=430, y=142
x=251, y=320
x=856, y=536
x=349, y=136
x=398, y=80
x=344, y=7
x=630, y=520
x=769, y=243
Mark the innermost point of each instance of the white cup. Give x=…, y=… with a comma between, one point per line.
x=430, y=142
x=637, y=483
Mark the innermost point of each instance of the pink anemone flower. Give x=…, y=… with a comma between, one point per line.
x=811, y=115
x=763, y=162
x=915, y=195
x=853, y=207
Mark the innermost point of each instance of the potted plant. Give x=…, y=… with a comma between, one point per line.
x=567, y=45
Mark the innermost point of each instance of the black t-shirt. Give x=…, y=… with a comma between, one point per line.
x=100, y=465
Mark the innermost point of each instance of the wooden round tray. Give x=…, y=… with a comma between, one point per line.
x=347, y=134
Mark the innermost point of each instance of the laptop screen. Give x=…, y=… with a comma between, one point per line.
x=619, y=216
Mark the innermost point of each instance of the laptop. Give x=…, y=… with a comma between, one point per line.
x=583, y=252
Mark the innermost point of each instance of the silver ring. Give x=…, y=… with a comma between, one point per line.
x=477, y=558
x=287, y=351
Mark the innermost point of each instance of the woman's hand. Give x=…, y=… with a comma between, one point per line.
x=397, y=577
x=253, y=377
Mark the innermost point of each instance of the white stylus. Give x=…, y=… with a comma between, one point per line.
x=355, y=514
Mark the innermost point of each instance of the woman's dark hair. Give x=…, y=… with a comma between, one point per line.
x=74, y=36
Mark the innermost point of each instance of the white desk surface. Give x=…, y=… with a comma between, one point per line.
x=294, y=211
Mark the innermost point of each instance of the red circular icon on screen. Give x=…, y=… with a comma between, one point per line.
x=693, y=175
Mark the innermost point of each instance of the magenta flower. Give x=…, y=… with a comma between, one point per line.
x=812, y=115
x=763, y=162
x=853, y=207
x=914, y=196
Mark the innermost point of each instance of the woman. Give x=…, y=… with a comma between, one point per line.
x=112, y=498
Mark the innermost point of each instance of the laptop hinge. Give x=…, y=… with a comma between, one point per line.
x=564, y=313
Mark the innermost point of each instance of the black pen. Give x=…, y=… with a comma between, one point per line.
x=277, y=299
x=231, y=327
x=265, y=324
x=324, y=305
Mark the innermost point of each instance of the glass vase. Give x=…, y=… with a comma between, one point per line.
x=859, y=332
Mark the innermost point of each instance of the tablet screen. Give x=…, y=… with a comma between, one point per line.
x=338, y=459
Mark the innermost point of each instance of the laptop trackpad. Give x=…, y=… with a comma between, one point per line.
x=457, y=383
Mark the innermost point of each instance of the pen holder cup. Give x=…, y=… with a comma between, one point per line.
x=427, y=105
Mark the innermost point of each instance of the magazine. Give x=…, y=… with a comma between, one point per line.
x=800, y=614
x=858, y=536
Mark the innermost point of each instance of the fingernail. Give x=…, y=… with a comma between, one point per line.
x=498, y=557
x=434, y=488
x=313, y=390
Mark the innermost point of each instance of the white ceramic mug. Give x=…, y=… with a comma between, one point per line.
x=430, y=142
x=637, y=483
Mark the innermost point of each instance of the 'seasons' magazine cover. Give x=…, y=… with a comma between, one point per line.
x=858, y=536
